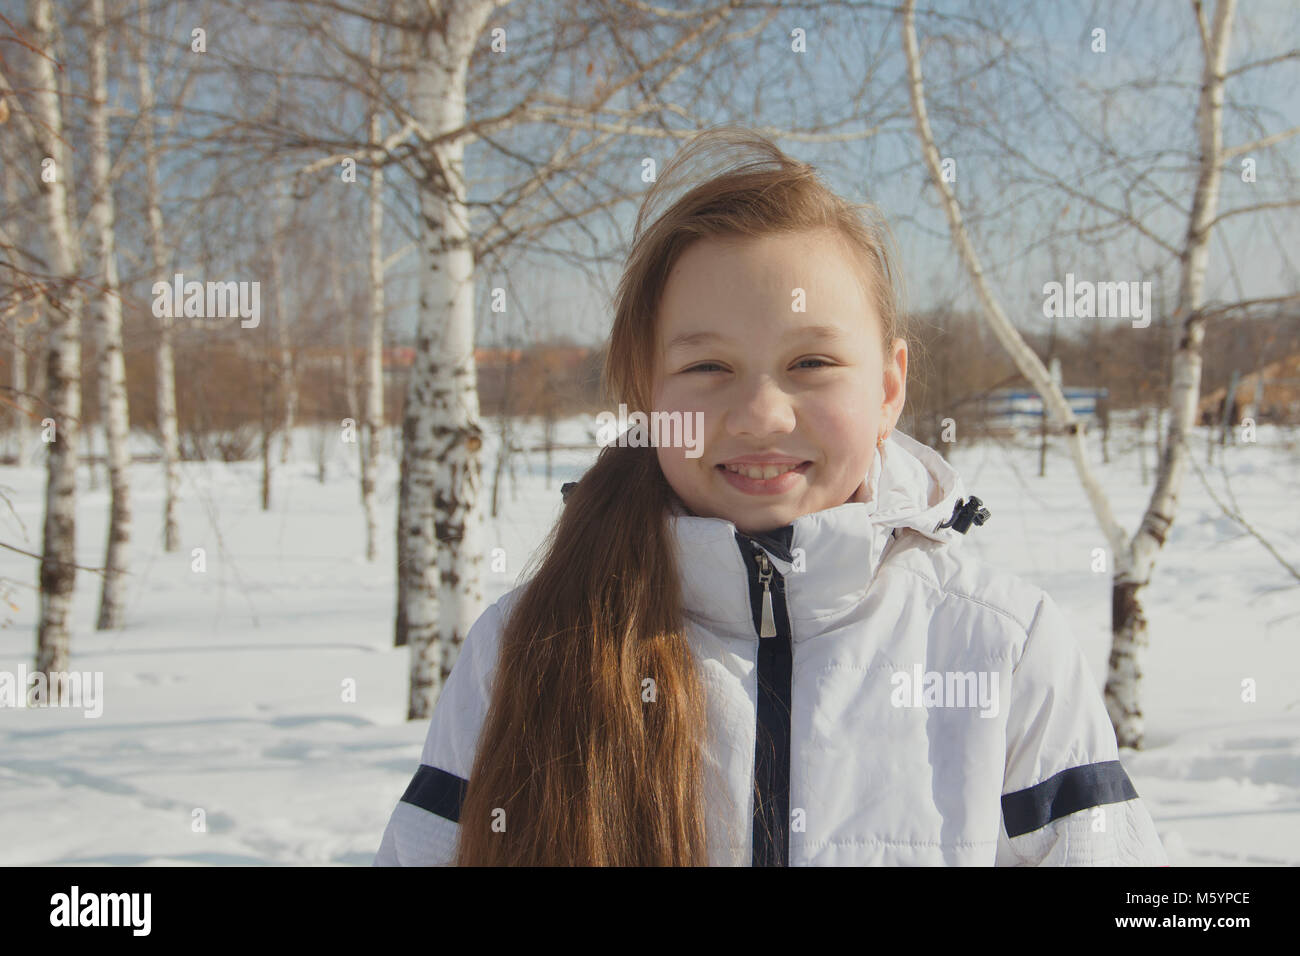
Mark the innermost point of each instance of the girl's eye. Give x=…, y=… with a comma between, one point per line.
x=708, y=366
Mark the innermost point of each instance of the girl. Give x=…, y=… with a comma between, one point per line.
x=772, y=652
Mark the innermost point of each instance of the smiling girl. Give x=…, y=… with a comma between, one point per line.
x=774, y=652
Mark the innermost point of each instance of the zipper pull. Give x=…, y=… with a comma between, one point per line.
x=768, y=626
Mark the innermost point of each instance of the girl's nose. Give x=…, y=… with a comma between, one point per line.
x=761, y=408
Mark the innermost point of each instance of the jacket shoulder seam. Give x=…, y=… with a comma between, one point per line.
x=967, y=597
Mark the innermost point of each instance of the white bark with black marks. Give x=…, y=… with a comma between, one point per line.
x=373, y=376
x=63, y=367
x=160, y=261
x=112, y=368
x=1130, y=639
x=440, y=544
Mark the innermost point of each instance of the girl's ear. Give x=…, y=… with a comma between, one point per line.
x=894, y=382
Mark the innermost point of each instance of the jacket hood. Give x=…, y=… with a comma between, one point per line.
x=910, y=485
x=828, y=558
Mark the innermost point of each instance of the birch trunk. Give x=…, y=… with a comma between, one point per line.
x=22, y=413
x=268, y=429
x=18, y=377
x=1129, y=624
x=88, y=435
x=441, y=451
x=350, y=363
x=374, y=370
x=112, y=369
x=22, y=410
x=58, y=553
x=164, y=363
x=282, y=336
x=350, y=403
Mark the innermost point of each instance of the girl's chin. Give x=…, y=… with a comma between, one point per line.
x=760, y=517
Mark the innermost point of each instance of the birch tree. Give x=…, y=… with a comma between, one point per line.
x=112, y=370
x=160, y=262
x=19, y=309
x=61, y=429
x=1133, y=556
x=441, y=436
x=373, y=377
x=284, y=349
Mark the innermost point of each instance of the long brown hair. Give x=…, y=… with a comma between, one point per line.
x=581, y=760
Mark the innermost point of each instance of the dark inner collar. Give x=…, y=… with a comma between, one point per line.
x=777, y=540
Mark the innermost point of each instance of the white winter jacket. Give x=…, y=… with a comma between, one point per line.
x=892, y=700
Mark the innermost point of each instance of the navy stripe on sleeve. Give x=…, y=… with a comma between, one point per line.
x=437, y=791
x=1069, y=791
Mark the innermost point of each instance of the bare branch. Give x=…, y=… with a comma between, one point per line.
x=1235, y=514
x=1246, y=305
x=1232, y=152
x=1257, y=207
x=1288, y=55
x=378, y=155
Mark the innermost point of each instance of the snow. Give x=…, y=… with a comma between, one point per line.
x=224, y=692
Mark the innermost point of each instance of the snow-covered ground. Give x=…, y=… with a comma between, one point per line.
x=224, y=692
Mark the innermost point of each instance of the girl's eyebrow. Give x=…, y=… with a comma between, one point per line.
x=688, y=339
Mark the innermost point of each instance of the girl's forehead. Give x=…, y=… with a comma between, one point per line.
x=730, y=282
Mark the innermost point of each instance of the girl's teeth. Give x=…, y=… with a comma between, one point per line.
x=764, y=471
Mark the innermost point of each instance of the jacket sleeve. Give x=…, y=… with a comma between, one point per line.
x=1066, y=799
x=424, y=826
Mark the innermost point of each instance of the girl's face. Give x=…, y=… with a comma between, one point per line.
x=775, y=341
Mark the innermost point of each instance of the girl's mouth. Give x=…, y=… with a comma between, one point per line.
x=778, y=484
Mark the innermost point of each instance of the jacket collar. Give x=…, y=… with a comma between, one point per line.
x=833, y=554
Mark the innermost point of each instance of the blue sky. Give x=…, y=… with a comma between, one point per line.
x=1155, y=40
x=1092, y=100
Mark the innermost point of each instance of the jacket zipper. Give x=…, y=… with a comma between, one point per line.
x=768, y=626
x=771, y=825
